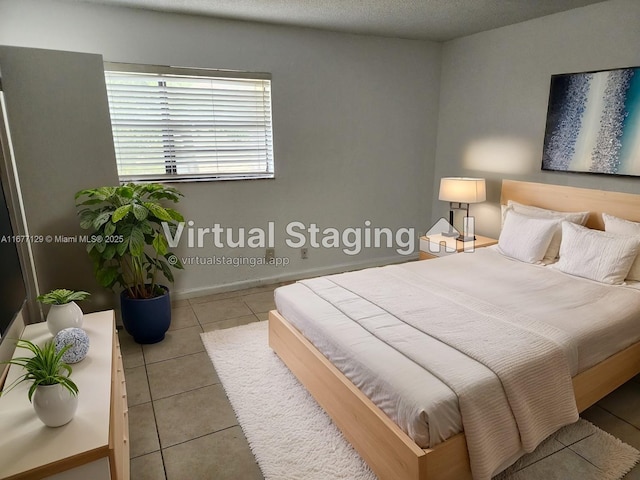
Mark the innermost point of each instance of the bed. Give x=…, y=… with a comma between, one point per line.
x=392, y=453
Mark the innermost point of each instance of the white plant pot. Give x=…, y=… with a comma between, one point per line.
x=64, y=316
x=54, y=405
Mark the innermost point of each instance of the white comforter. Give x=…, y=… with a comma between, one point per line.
x=411, y=342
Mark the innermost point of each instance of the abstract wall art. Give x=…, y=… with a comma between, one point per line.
x=593, y=123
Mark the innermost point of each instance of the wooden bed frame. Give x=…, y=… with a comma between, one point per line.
x=390, y=452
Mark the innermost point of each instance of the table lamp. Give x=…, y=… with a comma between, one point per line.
x=460, y=192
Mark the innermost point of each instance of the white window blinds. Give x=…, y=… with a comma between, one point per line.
x=184, y=124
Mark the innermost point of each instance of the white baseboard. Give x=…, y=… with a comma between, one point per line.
x=285, y=277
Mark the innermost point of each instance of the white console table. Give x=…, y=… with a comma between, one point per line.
x=95, y=443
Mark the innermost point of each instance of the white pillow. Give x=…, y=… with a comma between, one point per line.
x=573, y=217
x=525, y=238
x=601, y=256
x=624, y=227
x=554, y=247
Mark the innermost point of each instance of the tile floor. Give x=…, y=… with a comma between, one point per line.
x=182, y=425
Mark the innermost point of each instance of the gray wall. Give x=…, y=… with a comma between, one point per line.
x=355, y=121
x=59, y=125
x=493, y=100
x=355, y=117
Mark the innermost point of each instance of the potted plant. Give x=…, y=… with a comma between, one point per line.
x=53, y=394
x=64, y=311
x=129, y=249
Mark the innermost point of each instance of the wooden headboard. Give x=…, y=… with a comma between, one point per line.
x=573, y=199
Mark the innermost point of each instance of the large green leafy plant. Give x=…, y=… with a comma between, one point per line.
x=128, y=245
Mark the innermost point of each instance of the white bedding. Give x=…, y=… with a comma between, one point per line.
x=599, y=319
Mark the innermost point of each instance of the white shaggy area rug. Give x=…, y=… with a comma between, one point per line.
x=293, y=439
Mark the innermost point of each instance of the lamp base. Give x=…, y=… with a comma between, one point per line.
x=463, y=238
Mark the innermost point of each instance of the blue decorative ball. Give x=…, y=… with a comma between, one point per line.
x=79, y=341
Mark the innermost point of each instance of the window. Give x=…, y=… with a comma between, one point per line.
x=177, y=124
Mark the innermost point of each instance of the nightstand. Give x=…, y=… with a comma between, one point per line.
x=436, y=246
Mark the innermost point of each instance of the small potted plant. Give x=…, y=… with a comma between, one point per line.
x=53, y=394
x=64, y=311
x=130, y=250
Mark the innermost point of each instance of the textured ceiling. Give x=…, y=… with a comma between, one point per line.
x=421, y=19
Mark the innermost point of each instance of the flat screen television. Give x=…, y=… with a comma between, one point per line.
x=12, y=289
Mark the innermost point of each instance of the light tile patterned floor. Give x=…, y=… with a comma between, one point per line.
x=181, y=422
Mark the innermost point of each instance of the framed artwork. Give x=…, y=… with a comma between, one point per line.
x=593, y=123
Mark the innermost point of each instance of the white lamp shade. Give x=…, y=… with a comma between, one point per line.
x=463, y=190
